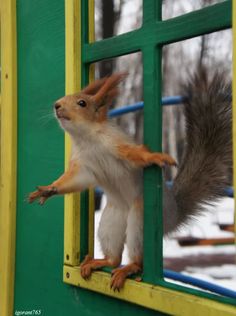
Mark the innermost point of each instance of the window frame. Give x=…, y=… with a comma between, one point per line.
x=81, y=53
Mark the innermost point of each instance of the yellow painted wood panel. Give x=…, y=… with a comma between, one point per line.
x=8, y=155
x=154, y=297
x=73, y=84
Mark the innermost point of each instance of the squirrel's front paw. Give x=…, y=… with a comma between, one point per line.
x=162, y=159
x=42, y=193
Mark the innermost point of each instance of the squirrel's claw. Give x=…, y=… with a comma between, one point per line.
x=42, y=200
x=162, y=160
x=86, y=268
x=120, y=274
x=33, y=196
x=117, y=280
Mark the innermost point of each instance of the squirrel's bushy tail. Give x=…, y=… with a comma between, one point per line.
x=206, y=169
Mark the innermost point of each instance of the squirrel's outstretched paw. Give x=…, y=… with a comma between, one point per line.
x=162, y=160
x=42, y=193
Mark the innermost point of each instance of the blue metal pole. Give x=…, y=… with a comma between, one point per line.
x=139, y=106
x=199, y=283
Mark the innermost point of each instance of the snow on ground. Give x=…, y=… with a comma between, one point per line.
x=206, y=226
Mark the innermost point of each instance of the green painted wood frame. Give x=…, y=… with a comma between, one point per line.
x=149, y=40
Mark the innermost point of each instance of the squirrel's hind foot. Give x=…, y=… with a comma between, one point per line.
x=119, y=275
x=90, y=264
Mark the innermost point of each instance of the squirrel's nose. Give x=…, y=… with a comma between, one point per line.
x=57, y=106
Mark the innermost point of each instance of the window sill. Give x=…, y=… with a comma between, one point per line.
x=154, y=297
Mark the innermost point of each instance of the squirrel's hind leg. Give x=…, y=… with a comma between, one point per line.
x=111, y=234
x=134, y=240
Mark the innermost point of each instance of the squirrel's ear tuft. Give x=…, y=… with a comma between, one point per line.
x=109, y=89
x=93, y=87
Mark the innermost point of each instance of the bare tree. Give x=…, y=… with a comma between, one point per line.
x=108, y=24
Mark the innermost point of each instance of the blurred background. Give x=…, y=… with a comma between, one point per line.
x=215, y=260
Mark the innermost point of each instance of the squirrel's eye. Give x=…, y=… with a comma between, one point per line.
x=81, y=103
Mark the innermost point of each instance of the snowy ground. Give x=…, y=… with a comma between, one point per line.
x=203, y=258
x=207, y=226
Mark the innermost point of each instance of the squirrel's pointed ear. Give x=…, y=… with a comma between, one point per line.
x=108, y=89
x=93, y=87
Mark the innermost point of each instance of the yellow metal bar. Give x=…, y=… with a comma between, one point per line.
x=154, y=297
x=8, y=150
x=73, y=84
x=91, y=78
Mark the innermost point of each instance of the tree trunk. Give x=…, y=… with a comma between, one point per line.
x=108, y=23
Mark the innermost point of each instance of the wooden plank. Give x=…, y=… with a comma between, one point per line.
x=154, y=297
x=207, y=20
x=210, y=19
x=73, y=84
x=152, y=257
x=8, y=133
x=112, y=47
x=152, y=11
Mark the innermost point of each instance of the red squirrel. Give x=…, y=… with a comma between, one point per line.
x=103, y=155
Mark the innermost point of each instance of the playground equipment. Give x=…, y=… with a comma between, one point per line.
x=36, y=47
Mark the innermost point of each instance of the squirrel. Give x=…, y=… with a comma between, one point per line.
x=103, y=155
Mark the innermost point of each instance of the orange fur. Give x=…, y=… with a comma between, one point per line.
x=93, y=87
x=138, y=203
x=102, y=115
x=141, y=156
x=62, y=185
x=98, y=97
x=109, y=85
x=65, y=183
x=89, y=264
